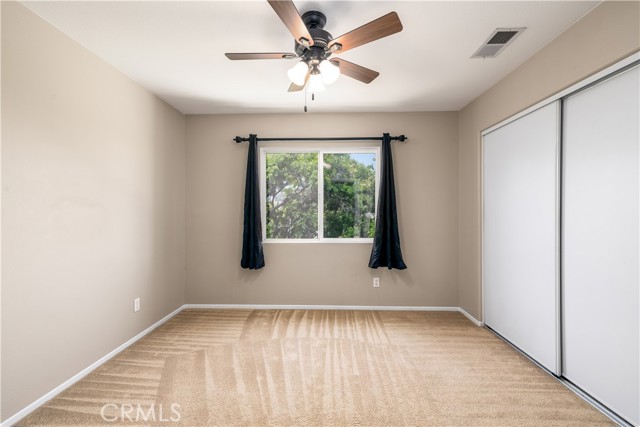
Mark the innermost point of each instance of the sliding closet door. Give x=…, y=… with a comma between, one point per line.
x=600, y=292
x=520, y=193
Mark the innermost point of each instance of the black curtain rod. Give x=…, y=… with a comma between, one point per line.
x=400, y=138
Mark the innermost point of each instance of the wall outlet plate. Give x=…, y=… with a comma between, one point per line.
x=136, y=305
x=376, y=282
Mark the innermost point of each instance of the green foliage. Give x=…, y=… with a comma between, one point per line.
x=292, y=196
x=349, y=197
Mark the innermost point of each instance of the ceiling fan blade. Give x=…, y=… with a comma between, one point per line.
x=356, y=71
x=266, y=55
x=374, y=30
x=289, y=15
x=295, y=88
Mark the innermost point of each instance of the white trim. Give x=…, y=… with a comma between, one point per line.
x=347, y=240
x=342, y=240
x=320, y=234
x=481, y=229
x=320, y=150
x=558, y=254
x=262, y=170
x=323, y=307
x=573, y=88
x=337, y=307
x=77, y=377
x=470, y=317
x=481, y=240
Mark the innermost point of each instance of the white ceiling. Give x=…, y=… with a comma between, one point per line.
x=176, y=50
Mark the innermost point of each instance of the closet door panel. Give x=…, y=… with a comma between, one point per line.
x=520, y=191
x=601, y=217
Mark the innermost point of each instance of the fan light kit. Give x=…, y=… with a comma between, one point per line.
x=314, y=47
x=319, y=75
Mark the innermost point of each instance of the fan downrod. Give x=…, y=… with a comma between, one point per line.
x=314, y=19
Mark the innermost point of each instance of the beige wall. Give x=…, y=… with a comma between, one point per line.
x=93, y=203
x=608, y=34
x=426, y=182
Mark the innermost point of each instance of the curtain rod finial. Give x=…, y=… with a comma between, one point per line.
x=402, y=138
x=238, y=139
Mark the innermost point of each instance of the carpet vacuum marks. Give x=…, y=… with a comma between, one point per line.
x=246, y=368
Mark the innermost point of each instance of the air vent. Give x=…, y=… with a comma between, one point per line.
x=497, y=41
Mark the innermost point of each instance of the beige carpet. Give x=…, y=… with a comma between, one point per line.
x=318, y=368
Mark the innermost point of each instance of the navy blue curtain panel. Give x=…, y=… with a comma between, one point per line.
x=386, y=241
x=252, y=255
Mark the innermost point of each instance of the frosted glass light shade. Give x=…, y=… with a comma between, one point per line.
x=329, y=71
x=315, y=83
x=298, y=73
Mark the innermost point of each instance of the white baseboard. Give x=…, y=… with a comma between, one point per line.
x=77, y=377
x=336, y=307
x=470, y=317
x=323, y=307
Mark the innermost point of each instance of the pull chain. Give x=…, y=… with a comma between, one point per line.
x=305, y=100
x=313, y=98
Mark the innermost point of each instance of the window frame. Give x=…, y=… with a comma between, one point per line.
x=321, y=151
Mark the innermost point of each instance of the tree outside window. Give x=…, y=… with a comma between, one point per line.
x=334, y=202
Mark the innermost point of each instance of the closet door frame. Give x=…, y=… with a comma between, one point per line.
x=608, y=72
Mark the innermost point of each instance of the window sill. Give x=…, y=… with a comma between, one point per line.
x=318, y=241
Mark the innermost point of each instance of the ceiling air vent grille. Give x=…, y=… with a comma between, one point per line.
x=497, y=41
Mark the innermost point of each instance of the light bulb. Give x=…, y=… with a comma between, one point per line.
x=298, y=73
x=330, y=71
x=315, y=83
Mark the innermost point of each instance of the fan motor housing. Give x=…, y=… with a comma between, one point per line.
x=315, y=22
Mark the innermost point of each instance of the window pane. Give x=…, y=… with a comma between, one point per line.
x=292, y=195
x=349, y=195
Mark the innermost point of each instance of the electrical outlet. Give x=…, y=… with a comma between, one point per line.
x=136, y=305
x=376, y=282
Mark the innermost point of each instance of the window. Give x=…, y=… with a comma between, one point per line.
x=314, y=195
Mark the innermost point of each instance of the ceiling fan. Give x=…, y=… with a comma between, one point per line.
x=314, y=46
